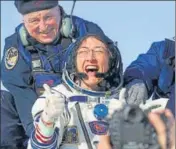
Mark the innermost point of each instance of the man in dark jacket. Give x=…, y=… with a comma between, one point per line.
x=33, y=54
x=153, y=72
x=12, y=132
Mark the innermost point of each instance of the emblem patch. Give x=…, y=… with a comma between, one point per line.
x=11, y=57
x=99, y=127
x=70, y=135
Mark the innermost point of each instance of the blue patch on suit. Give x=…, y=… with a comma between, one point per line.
x=99, y=127
x=70, y=135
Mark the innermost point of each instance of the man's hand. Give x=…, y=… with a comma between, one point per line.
x=54, y=105
x=104, y=142
x=136, y=92
x=160, y=128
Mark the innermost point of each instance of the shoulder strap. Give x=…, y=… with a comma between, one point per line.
x=35, y=59
x=65, y=42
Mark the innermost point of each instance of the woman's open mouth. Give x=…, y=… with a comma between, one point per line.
x=91, y=70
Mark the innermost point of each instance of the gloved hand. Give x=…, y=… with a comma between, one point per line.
x=114, y=105
x=54, y=106
x=136, y=92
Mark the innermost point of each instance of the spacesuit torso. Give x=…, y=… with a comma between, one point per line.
x=84, y=120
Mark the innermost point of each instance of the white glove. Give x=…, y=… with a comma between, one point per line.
x=114, y=105
x=54, y=105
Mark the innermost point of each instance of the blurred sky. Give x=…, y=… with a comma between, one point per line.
x=134, y=24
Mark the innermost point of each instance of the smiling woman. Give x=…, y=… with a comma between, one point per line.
x=81, y=105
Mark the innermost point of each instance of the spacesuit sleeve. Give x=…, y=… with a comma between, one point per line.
x=54, y=134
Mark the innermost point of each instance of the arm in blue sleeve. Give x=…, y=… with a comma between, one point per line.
x=16, y=80
x=93, y=28
x=24, y=100
x=147, y=66
x=83, y=26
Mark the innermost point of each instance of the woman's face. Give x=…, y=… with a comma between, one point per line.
x=92, y=57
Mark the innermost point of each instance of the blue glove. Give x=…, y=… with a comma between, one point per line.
x=136, y=92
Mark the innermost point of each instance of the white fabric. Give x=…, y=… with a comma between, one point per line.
x=73, y=120
x=157, y=104
x=54, y=105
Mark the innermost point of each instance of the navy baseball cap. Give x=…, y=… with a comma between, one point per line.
x=28, y=6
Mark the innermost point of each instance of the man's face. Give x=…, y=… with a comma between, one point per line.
x=43, y=25
x=92, y=57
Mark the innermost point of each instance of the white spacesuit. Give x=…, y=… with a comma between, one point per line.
x=79, y=115
x=80, y=126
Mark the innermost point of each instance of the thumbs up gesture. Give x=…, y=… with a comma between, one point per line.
x=54, y=105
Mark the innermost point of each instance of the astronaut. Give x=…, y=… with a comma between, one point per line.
x=75, y=113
